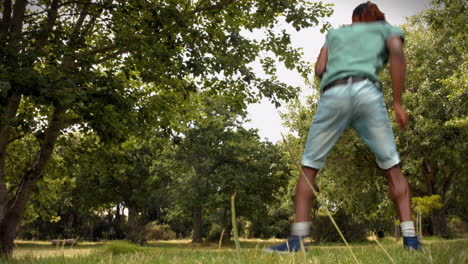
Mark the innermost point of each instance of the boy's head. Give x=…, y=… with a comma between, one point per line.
x=367, y=12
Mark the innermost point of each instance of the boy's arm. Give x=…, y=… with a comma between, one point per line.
x=321, y=64
x=397, y=73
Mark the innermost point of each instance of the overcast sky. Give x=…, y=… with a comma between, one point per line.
x=265, y=116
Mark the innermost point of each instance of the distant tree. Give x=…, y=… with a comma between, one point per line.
x=222, y=158
x=422, y=207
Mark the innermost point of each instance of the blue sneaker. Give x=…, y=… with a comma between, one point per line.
x=411, y=243
x=293, y=244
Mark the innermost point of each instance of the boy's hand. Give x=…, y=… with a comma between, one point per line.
x=401, y=116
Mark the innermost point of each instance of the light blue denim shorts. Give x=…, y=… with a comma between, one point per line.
x=358, y=105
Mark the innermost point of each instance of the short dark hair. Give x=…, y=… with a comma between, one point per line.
x=368, y=12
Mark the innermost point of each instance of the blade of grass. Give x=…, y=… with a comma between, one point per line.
x=234, y=227
x=303, y=250
x=221, y=239
x=380, y=245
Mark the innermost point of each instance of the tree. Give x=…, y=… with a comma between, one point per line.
x=423, y=206
x=113, y=66
x=434, y=151
x=222, y=158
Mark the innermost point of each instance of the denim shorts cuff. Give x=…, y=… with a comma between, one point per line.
x=388, y=163
x=312, y=164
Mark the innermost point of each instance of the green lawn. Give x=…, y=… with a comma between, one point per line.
x=435, y=250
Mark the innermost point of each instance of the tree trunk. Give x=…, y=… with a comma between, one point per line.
x=227, y=225
x=7, y=236
x=439, y=223
x=17, y=203
x=7, y=113
x=197, y=225
x=117, y=213
x=133, y=231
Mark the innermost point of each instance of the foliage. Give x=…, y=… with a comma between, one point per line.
x=118, y=68
x=155, y=231
x=433, y=146
x=426, y=204
x=353, y=229
x=221, y=158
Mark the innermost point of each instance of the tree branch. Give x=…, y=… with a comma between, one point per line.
x=18, y=17
x=51, y=18
x=37, y=166
x=446, y=182
x=16, y=138
x=111, y=56
x=72, y=121
x=219, y=5
x=79, y=23
x=98, y=50
x=90, y=25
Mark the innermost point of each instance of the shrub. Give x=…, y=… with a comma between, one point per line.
x=154, y=231
x=121, y=247
x=215, y=232
x=456, y=225
x=323, y=229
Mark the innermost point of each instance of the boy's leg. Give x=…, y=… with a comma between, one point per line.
x=400, y=193
x=329, y=122
x=373, y=126
x=301, y=227
x=304, y=195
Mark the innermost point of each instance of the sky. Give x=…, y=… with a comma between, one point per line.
x=264, y=116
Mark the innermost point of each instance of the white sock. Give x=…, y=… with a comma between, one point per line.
x=407, y=229
x=300, y=229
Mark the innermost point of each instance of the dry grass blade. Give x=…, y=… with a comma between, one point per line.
x=380, y=245
x=221, y=239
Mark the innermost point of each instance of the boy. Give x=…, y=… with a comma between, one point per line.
x=348, y=66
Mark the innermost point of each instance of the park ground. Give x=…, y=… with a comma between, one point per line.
x=435, y=250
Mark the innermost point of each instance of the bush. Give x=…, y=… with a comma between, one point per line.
x=270, y=222
x=154, y=231
x=456, y=225
x=121, y=247
x=323, y=229
x=215, y=232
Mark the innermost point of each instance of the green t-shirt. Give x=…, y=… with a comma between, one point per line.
x=357, y=50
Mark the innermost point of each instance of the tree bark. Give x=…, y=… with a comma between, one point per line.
x=12, y=34
x=133, y=231
x=5, y=23
x=17, y=203
x=117, y=213
x=438, y=216
x=439, y=222
x=197, y=225
x=8, y=112
x=227, y=225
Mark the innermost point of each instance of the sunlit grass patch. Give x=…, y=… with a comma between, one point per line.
x=44, y=249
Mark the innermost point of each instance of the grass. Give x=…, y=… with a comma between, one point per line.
x=435, y=250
